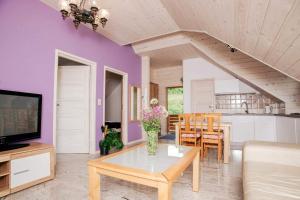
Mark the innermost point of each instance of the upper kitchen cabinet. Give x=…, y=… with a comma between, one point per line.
x=227, y=86
x=231, y=86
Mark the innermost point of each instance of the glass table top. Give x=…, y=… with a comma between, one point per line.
x=166, y=156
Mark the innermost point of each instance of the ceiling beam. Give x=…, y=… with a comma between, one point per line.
x=162, y=42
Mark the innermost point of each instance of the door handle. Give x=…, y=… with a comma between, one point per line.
x=21, y=172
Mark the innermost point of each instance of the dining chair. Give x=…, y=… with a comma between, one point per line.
x=211, y=134
x=187, y=129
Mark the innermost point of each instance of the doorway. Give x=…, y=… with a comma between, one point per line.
x=115, y=104
x=174, y=106
x=74, y=112
x=113, y=100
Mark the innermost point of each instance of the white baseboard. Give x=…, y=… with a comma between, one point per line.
x=96, y=152
x=135, y=142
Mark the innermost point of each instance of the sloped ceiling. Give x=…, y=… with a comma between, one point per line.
x=256, y=74
x=267, y=30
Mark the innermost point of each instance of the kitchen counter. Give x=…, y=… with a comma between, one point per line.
x=260, y=114
x=263, y=127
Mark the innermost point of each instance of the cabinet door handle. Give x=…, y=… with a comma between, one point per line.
x=21, y=172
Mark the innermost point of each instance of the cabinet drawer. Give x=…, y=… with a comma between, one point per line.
x=28, y=169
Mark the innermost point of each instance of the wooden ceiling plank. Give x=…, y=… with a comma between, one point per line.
x=225, y=14
x=241, y=12
x=290, y=57
x=276, y=15
x=295, y=69
x=286, y=37
x=183, y=12
x=255, y=19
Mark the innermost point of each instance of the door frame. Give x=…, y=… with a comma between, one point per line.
x=124, y=122
x=167, y=102
x=92, y=97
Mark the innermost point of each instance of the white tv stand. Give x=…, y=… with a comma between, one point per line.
x=24, y=167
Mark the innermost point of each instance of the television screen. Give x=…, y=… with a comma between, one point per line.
x=19, y=115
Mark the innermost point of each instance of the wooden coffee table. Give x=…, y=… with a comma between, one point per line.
x=134, y=165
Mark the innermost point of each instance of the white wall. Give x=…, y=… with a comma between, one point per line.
x=113, y=98
x=199, y=69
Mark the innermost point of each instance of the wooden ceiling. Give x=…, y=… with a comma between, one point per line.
x=267, y=30
x=133, y=20
x=172, y=56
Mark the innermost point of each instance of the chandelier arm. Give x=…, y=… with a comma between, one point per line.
x=82, y=3
x=82, y=15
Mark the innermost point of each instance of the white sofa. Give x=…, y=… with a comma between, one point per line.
x=271, y=171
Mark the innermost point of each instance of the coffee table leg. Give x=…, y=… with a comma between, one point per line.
x=196, y=171
x=165, y=191
x=94, y=184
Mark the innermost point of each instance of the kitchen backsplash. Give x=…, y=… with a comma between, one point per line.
x=257, y=103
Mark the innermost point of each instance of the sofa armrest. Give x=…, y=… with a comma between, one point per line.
x=270, y=152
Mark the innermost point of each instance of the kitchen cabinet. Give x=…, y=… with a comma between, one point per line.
x=297, y=130
x=242, y=128
x=227, y=86
x=285, y=129
x=232, y=86
x=265, y=128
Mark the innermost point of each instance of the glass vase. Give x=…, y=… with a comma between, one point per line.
x=152, y=142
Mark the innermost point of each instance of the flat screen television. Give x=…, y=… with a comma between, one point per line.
x=20, y=118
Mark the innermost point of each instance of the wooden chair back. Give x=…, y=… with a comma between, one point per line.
x=187, y=122
x=199, y=119
x=212, y=135
x=213, y=121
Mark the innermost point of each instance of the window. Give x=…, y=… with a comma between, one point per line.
x=175, y=100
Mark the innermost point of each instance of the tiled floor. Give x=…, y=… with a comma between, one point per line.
x=218, y=182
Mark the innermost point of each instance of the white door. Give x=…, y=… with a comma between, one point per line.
x=73, y=109
x=202, y=95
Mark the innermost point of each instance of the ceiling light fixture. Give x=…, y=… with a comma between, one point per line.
x=77, y=9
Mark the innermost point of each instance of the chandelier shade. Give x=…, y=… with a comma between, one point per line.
x=84, y=11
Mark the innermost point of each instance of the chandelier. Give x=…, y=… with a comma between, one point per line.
x=78, y=10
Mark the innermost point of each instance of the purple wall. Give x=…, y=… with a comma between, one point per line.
x=28, y=40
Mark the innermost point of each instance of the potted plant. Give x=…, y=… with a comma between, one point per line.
x=111, y=140
x=114, y=138
x=104, y=147
x=151, y=122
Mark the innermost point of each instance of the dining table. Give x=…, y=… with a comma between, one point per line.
x=226, y=129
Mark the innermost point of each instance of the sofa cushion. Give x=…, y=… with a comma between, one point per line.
x=269, y=181
x=271, y=152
